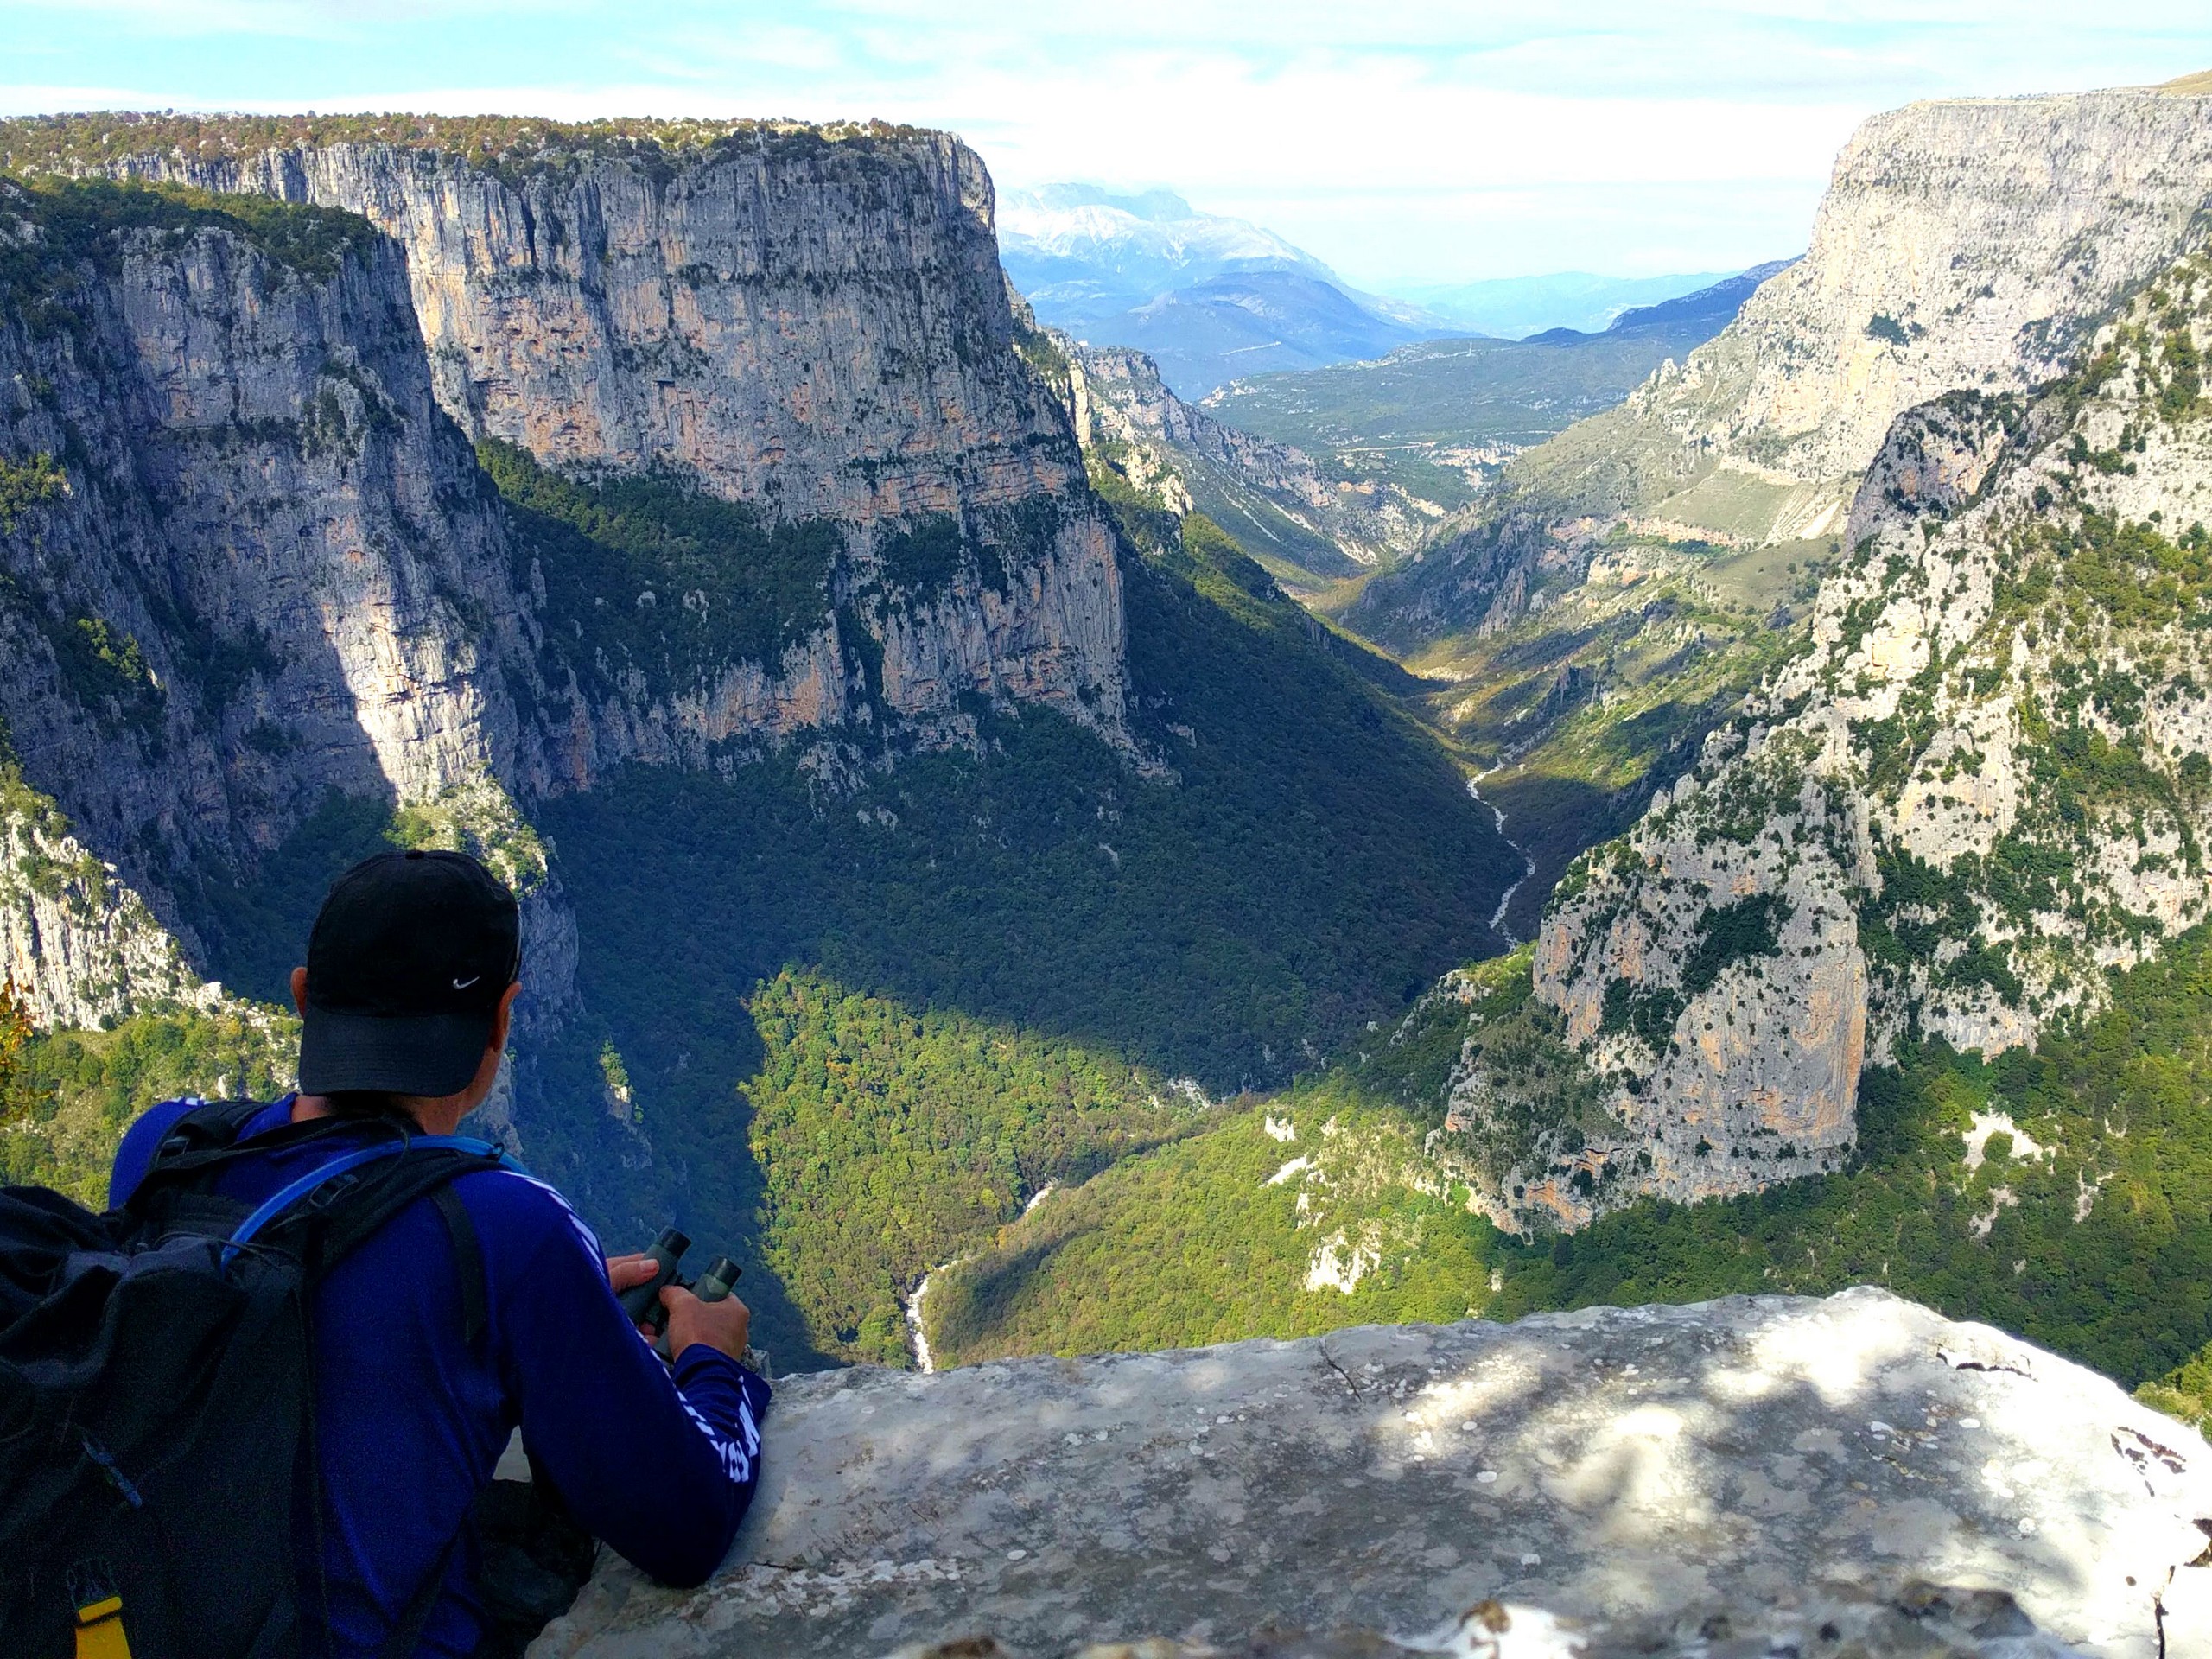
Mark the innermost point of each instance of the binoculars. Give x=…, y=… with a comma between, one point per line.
x=642, y=1302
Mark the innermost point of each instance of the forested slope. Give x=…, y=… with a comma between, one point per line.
x=1302, y=859
x=2064, y=1194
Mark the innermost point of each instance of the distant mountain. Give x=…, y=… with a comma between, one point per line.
x=1209, y=297
x=1080, y=253
x=1250, y=322
x=1694, y=318
x=1436, y=417
x=1513, y=308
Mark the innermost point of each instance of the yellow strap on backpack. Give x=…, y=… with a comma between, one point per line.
x=100, y=1631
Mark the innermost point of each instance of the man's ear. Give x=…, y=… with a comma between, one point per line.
x=499, y=1020
x=299, y=991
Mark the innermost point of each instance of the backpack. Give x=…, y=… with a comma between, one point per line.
x=156, y=1410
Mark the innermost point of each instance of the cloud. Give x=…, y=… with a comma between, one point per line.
x=1416, y=141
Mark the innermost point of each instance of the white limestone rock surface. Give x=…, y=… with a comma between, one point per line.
x=1918, y=1621
x=1753, y=1460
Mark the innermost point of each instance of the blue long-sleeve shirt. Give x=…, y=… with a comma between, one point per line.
x=410, y=1420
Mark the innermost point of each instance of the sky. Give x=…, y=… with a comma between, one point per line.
x=1409, y=145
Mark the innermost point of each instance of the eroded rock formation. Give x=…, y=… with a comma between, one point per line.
x=1981, y=790
x=812, y=319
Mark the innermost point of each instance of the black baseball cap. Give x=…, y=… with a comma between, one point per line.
x=409, y=956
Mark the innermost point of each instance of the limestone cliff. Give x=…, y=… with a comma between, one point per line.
x=1963, y=244
x=1756, y=1476
x=82, y=948
x=810, y=319
x=246, y=566
x=1985, y=785
x=255, y=569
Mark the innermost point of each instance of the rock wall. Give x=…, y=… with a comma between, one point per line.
x=253, y=562
x=1619, y=1480
x=1985, y=786
x=80, y=948
x=807, y=316
x=1963, y=244
x=248, y=562
x=808, y=319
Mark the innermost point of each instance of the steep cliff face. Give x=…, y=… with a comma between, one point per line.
x=257, y=570
x=810, y=320
x=810, y=316
x=1308, y=527
x=80, y=948
x=250, y=566
x=1961, y=245
x=1984, y=787
x=1964, y=245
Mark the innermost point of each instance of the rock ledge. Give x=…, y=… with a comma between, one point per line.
x=1735, y=1478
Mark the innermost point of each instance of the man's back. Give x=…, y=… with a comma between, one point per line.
x=411, y=1416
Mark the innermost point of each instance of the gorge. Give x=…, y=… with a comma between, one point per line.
x=943, y=766
x=859, y=675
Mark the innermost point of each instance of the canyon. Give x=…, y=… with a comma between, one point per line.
x=1848, y=841
x=579, y=495
x=266, y=488
x=926, y=794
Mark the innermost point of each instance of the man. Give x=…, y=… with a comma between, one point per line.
x=411, y=976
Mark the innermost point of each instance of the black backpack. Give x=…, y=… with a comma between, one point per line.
x=156, y=1407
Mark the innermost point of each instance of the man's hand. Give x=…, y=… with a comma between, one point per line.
x=724, y=1325
x=628, y=1272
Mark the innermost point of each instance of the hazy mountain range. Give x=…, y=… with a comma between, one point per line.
x=1513, y=308
x=1215, y=299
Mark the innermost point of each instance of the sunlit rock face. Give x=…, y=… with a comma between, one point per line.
x=810, y=319
x=1840, y=868
x=1755, y=1460
x=1963, y=244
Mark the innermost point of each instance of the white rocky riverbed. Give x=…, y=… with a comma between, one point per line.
x=1528, y=864
x=918, y=1341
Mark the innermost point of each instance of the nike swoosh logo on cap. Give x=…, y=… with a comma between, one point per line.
x=463, y=984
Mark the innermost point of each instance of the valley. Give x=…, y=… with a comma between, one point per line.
x=1717, y=1070
x=727, y=703
x=1713, y=805
x=1440, y=417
